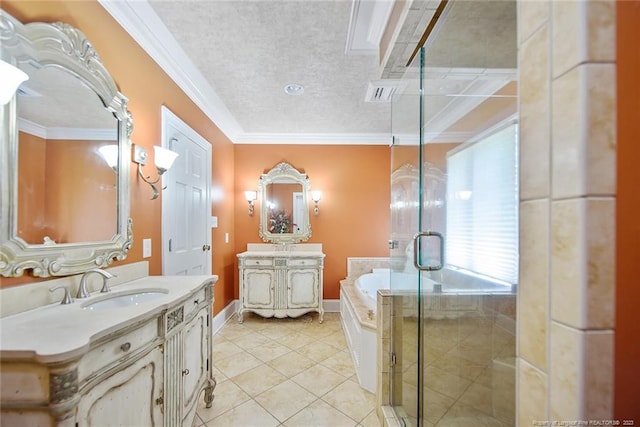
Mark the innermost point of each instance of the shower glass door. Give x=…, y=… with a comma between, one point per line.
x=454, y=230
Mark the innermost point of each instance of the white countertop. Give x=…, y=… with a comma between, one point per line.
x=281, y=254
x=59, y=332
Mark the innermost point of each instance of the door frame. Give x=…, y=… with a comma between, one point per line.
x=169, y=118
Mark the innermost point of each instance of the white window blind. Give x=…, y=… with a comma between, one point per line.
x=482, y=207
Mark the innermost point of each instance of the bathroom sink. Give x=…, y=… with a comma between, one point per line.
x=124, y=299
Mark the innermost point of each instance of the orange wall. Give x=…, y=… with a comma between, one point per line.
x=31, y=193
x=354, y=210
x=627, y=337
x=148, y=88
x=77, y=165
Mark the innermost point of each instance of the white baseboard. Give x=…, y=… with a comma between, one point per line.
x=221, y=318
x=331, y=305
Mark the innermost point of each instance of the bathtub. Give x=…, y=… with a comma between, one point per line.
x=368, y=284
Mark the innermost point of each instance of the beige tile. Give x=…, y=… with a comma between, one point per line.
x=370, y=420
x=341, y=363
x=237, y=364
x=248, y=414
x=461, y=415
x=534, y=126
x=227, y=396
x=319, y=414
x=251, y=340
x=318, y=351
x=291, y=364
x=598, y=375
x=582, y=268
x=532, y=394
x=533, y=287
x=567, y=136
x=453, y=364
x=336, y=340
x=224, y=348
x=600, y=303
x=565, y=369
x=583, y=31
x=583, y=132
x=318, y=379
x=233, y=329
x=503, y=390
x=531, y=15
x=479, y=397
x=445, y=383
x=350, y=399
x=568, y=258
x=295, y=340
x=285, y=399
x=435, y=405
x=258, y=380
x=599, y=82
x=269, y=351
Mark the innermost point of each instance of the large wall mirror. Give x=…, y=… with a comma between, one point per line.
x=284, y=205
x=63, y=209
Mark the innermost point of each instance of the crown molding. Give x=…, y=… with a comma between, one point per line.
x=315, y=138
x=143, y=24
x=88, y=134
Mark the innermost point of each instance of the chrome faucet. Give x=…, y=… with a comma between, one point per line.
x=82, y=290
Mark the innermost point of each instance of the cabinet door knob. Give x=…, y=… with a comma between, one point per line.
x=126, y=346
x=185, y=372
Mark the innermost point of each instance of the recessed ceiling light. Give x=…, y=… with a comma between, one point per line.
x=293, y=89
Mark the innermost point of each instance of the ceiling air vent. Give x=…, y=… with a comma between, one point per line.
x=383, y=90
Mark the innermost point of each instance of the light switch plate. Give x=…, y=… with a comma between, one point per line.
x=146, y=248
x=226, y=237
x=214, y=222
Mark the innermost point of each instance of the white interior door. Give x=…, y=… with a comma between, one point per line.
x=186, y=204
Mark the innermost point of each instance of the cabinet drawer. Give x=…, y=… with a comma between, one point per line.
x=195, y=302
x=117, y=349
x=258, y=262
x=306, y=262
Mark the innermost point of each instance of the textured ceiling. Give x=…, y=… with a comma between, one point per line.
x=249, y=51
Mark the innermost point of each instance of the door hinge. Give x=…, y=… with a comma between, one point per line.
x=394, y=244
x=392, y=359
x=169, y=245
x=207, y=365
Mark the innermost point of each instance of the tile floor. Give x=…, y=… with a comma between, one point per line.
x=286, y=372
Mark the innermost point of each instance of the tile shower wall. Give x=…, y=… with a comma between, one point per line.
x=567, y=206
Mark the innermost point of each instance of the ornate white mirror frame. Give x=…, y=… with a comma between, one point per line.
x=284, y=173
x=64, y=47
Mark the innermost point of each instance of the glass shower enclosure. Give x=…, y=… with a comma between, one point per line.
x=454, y=223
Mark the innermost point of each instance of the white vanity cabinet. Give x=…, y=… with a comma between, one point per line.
x=144, y=365
x=280, y=283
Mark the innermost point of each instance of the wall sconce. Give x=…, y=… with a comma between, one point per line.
x=11, y=78
x=316, y=196
x=251, y=197
x=109, y=154
x=163, y=159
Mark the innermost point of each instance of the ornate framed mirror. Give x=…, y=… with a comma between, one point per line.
x=63, y=209
x=283, y=193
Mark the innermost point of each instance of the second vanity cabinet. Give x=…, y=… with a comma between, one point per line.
x=144, y=365
x=280, y=283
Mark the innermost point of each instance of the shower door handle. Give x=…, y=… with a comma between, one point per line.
x=416, y=251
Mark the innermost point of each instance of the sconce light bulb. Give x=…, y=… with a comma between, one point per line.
x=251, y=195
x=316, y=196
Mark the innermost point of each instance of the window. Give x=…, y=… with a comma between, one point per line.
x=482, y=207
